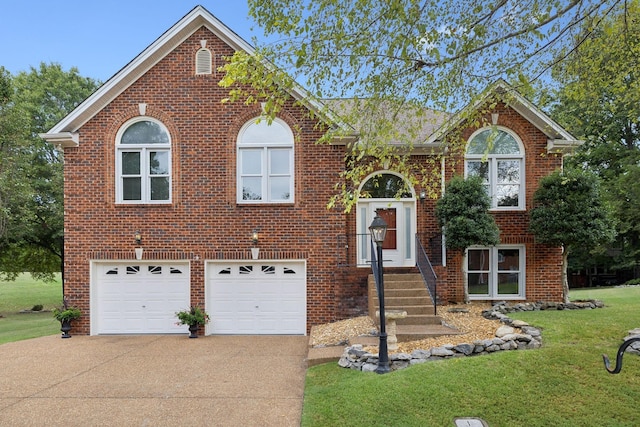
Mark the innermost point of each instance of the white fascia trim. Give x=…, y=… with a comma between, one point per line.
x=520, y=104
x=62, y=139
x=563, y=146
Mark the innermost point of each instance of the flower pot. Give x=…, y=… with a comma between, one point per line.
x=65, y=327
x=193, y=329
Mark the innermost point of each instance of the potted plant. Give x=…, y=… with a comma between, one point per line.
x=65, y=315
x=194, y=317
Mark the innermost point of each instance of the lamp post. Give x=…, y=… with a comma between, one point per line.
x=378, y=229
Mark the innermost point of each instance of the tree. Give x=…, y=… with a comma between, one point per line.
x=463, y=213
x=398, y=58
x=569, y=211
x=31, y=191
x=598, y=99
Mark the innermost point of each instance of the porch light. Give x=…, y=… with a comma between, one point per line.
x=378, y=229
x=254, y=236
x=138, y=238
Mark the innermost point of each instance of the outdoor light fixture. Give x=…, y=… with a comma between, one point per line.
x=255, y=251
x=423, y=195
x=138, y=250
x=378, y=229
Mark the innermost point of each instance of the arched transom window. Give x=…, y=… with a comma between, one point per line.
x=497, y=156
x=143, y=162
x=265, y=162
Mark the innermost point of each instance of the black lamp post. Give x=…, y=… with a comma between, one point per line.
x=378, y=229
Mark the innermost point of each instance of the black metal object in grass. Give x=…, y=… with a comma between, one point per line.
x=621, y=351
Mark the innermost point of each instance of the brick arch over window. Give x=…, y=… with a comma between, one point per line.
x=110, y=142
x=232, y=136
x=496, y=155
x=265, y=162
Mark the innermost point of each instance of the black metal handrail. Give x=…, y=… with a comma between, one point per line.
x=426, y=271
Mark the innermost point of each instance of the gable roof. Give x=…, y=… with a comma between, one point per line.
x=559, y=140
x=64, y=133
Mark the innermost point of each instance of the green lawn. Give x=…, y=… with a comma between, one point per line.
x=562, y=384
x=23, y=294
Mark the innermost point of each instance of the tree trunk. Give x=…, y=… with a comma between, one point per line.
x=565, y=279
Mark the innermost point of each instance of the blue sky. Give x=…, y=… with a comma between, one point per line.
x=99, y=38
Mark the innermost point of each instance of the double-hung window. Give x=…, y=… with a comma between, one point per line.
x=143, y=162
x=496, y=272
x=496, y=156
x=265, y=162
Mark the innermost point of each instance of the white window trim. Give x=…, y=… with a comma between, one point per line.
x=266, y=147
x=493, y=159
x=143, y=149
x=493, y=272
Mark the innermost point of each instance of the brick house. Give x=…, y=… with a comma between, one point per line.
x=168, y=190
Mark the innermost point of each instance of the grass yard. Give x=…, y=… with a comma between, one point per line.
x=562, y=384
x=23, y=294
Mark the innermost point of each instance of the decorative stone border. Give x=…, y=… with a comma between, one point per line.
x=513, y=335
x=635, y=347
x=504, y=308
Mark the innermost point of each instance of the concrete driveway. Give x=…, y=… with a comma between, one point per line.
x=153, y=381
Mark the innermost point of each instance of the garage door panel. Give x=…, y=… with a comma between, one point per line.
x=140, y=298
x=257, y=297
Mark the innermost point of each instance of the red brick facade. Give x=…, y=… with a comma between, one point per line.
x=205, y=222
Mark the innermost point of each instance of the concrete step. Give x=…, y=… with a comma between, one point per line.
x=412, y=310
x=405, y=292
x=420, y=319
x=402, y=301
x=419, y=332
x=414, y=282
x=418, y=309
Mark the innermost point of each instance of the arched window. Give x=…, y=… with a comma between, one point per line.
x=497, y=156
x=385, y=186
x=265, y=162
x=143, y=162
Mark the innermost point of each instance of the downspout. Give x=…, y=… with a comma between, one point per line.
x=442, y=187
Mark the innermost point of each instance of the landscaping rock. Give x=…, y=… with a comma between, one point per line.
x=504, y=330
x=511, y=337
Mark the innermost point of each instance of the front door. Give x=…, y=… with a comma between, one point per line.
x=390, y=213
x=392, y=197
x=398, y=248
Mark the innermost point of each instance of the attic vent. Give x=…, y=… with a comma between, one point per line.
x=203, y=61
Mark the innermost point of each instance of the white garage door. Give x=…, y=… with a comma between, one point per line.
x=257, y=298
x=139, y=298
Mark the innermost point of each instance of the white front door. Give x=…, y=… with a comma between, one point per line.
x=398, y=248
